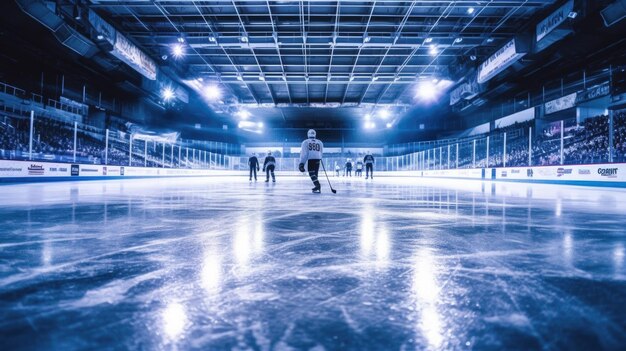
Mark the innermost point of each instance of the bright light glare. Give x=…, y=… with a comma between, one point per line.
x=260, y=124
x=470, y=10
x=243, y=114
x=368, y=117
x=178, y=51
x=167, y=94
x=426, y=91
x=212, y=92
x=384, y=114
x=174, y=320
x=370, y=125
x=389, y=125
x=433, y=50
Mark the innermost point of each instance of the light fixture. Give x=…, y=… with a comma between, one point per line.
x=262, y=77
x=328, y=78
x=435, y=80
x=100, y=37
x=244, y=38
x=167, y=94
x=490, y=40
x=260, y=124
x=239, y=77
x=458, y=40
x=470, y=10
x=368, y=117
x=351, y=78
x=384, y=114
x=374, y=78
x=181, y=39
x=178, y=51
x=243, y=114
x=200, y=79
x=428, y=40
x=473, y=57
x=389, y=125
x=396, y=78
x=370, y=125
x=284, y=77
x=572, y=14
x=212, y=92
x=426, y=91
x=164, y=57
x=433, y=50
x=212, y=39
x=366, y=39
x=76, y=12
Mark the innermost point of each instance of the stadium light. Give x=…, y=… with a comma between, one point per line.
x=389, y=125
x=426, y=91
x=178, y=51
x=368, y=117
x=243, y=114
x=167, y=94
x=433, y=50
x=260, y=124
x=370, y=125
x=384, y=114
x=212, y=92
x=181, y=39
x=470, y=11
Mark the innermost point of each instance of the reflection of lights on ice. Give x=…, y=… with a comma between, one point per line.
x=426, y=288
x=559, y=208
x=248, y=240
x=618, y=257
x=211, y=274
x=374, y=239
x=568, y=247
x=382, y=246
x=174, y=320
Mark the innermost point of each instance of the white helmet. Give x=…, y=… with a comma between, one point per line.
x=311, y=133
x=269, y=152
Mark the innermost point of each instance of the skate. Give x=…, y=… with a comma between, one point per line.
x=267, y=180
x=273, y=180
x=317, y=190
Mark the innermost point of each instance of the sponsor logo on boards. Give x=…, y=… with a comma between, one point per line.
x=608, y=172
x=75, y=170
x=121, y=170
x=90, y=170
x=4, y=170
x=529, y=173
x=563, y=171
x=503, y=174
x=104, y=170
x=584, y=171
x=35, y=170
x=515, y=171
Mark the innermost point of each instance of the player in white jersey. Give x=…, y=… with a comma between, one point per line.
x=311, y=153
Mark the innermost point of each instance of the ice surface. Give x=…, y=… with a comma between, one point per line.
x=394, y=264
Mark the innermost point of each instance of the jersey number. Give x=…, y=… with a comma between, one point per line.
x=314, y=147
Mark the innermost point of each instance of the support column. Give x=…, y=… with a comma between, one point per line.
x=75, y=138
x=30, y=135
x=106, y=147
x=474, y=153
x=530, y=146
x=130, y=150
x=562, y=142
x=145, y=153
x=611, y=131
x=441, y=157
x=487, y=163
x=163, y=157
x=504, y=152
x=448, y=163
x=180, y=151
x=457, y=155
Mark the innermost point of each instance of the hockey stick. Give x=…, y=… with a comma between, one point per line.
x=326, y=174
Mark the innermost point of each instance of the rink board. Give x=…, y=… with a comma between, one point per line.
x=596, y=175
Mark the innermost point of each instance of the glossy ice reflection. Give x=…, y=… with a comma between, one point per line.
x=395, y=264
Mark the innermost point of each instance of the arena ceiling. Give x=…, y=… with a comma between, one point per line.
x=319, y=53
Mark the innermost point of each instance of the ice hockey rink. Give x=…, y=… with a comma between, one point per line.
x=397, y=263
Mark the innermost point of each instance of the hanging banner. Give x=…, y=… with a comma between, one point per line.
x=594, y=93
x=102, y=27
x=560, y=104
x=554, y=20
x=465, y=91
x=499, y=61
x=134, y=57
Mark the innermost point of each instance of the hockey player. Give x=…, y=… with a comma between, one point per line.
x=268, y=167
x=337, y=169
x=311, y=153
x=253, y=162
x=369, y=165
x=359, y=169
x=348, y=168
